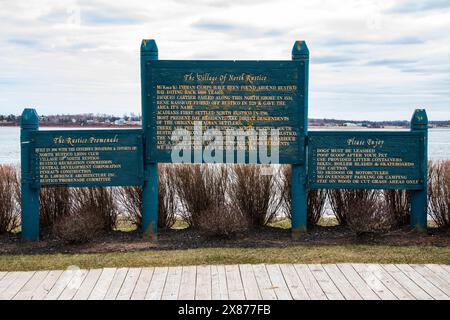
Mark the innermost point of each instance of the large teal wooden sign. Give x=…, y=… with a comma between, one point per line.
x=79, y=158
x=183, y=102
x=374, y=160
x=239, y=97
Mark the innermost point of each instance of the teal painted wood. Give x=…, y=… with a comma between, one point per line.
x=419, y=200
x=29, y=191
x=366, y=160
x=149, y=52
x=171, y=74
x=84, y=158
x=299, y=192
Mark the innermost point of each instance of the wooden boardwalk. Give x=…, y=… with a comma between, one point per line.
x=253, y=282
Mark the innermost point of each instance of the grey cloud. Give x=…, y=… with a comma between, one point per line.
x=390, y=62
x=419, y=6
x=354, y=42
x=324, y=59
x=95, y=14
x=243, y=30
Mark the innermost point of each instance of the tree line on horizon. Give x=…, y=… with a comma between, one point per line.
x=90, y=118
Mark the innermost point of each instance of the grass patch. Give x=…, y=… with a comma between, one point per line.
x=291, y=254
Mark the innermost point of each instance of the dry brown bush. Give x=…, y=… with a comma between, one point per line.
x=198, y=188
x=368, y=212
x=9, y=209
x=167, y=201
x=439, y=192
x=255, y=193
x=55, y=203
x=340, y=201
x=99, y=201
x=398, y=206
x=316, y=200
x=78, y=227
x=130, y=199
x=224, y=221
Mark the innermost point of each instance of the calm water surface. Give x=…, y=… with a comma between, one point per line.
x=438, y=145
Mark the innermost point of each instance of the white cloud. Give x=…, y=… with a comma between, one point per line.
x=373, y=59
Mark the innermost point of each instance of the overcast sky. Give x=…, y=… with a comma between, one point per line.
x=369, y=59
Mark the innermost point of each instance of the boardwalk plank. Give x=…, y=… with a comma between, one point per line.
x=264, y=283
x=374, y=283
x=396, y=288
x=7, y=280
x=74, y=284
x=129, y=283
x=293, y=282
x=28, y=289
x=172, y=287
x=406, y=283
x=187, y=285
x=88, y=284
x=249, y=283
x=440, y=271
x=102, y=285
x=142, y=284
x=313, y=288
x=15, y=286
x=339, y=280
x=157, y=283
x=234, y=283
x=44, y=288
x=116, y=284
x=325, y=282
x=219, y=290
x=61, y=284
x=359, y=284
x=433, y=277
x=422, y=282
x=203, y=283
x=278, y=282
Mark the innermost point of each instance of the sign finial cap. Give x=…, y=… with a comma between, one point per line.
x=149, y=45
x=300, y=49
x=419, y=118
x=29, y=118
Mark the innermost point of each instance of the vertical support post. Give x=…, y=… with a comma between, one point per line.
x=149, y=51
x=419, y=199
x=299, y=191
x=29, y=197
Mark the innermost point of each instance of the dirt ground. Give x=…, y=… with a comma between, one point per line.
x=119, y=241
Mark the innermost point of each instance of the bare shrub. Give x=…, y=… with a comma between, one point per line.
x=398, y=206
x=130, y=198
x=9, y=209
x=340, y=199
x=256, y=194
x=368, y=212
x=222, y=221
x=55, y=203
x=316, y=200
x=99, y=201
x=167, y=201
x=78, y=227
x=198, y=187
x=439, y=192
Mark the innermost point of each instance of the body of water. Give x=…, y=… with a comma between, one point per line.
x=438, y=144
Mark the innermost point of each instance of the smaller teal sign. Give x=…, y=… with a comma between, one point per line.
x=372, y=160
x=78, y=158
